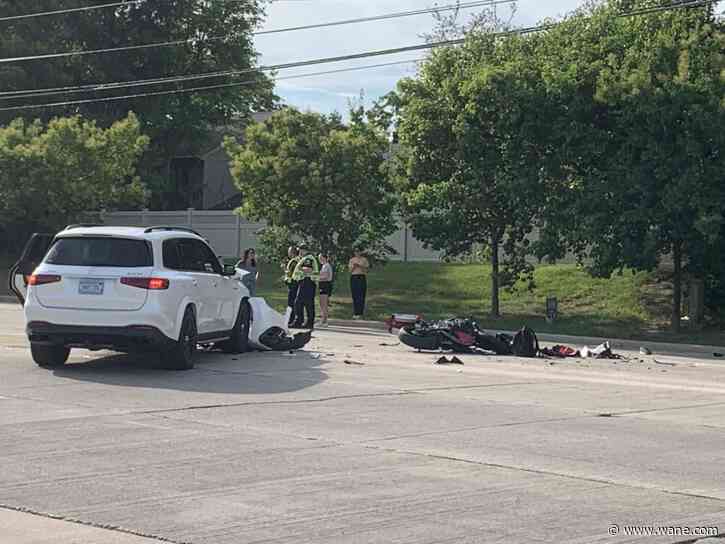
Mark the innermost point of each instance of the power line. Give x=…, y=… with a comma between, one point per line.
x=27, y=93
x=87, y=8
x=70, y=10
x=680, y=5
x=211, y=87
x=170, y=43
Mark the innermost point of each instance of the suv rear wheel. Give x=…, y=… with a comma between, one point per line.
x=181, y=355
x=49, y=356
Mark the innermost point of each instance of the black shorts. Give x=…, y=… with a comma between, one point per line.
x=326, y=288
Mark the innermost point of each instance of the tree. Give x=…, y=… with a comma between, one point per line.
x=51, y=174
x=473, y=131
x=642, y=157
x=324, y=181
x=178, y=124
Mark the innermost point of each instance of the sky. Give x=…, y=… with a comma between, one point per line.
x=327, y=93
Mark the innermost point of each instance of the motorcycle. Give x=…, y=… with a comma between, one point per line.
x=457, y=335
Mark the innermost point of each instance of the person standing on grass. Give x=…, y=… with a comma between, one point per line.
x=293, y=254
x=326, y=279
x=359, y=268
x=249, y=263
x=307, y=273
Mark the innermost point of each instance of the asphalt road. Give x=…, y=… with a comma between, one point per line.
x=308, y=449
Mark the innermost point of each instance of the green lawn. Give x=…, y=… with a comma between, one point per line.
x=621, y=307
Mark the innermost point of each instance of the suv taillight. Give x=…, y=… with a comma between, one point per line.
x=154, y=284
x=42, y=279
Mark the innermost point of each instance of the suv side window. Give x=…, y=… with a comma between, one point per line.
x=171, y=257
x=205, y=256
x=190, y=255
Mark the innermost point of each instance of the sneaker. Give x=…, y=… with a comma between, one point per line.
x=356, y=317
x=322, y=324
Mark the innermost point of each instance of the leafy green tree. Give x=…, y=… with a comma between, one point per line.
x=474, y=136
x=324, y=181
x=641, y=169
x=178, y=124
x=51, y=174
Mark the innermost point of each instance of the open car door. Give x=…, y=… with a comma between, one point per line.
x=33, y=254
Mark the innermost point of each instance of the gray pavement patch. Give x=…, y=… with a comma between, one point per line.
x=105, y=527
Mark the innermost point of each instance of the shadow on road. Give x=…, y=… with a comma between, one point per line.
x=247, y=373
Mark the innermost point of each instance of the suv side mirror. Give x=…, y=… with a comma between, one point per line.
x=229, y=270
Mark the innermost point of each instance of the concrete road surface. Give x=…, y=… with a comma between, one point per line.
x=307, y=448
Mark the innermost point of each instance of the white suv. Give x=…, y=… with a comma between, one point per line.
x=129, y=289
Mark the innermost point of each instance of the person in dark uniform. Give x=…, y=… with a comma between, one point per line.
x=307, y=273
x=292, y=284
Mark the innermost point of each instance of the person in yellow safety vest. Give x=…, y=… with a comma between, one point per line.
x=292, y=284
x=307, y=273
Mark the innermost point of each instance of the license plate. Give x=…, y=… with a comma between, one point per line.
x=90, y=287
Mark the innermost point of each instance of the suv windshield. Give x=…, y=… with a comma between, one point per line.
x=111, y=252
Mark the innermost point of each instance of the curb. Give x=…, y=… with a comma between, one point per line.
x=627, y=345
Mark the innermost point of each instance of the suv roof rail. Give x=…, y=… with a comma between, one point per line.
x=83, y=225
x=165, y=227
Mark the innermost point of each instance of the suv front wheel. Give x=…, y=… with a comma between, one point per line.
x=49, y=356
x=239, y=342
x=181, y=355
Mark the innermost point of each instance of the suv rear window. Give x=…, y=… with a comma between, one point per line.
x=110, y=252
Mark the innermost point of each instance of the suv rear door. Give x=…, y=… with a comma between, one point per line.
x=194, y=261
x=224, y=295
x=33, y=253
x=90, y=269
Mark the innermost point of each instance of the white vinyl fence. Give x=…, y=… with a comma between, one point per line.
x=230, y=235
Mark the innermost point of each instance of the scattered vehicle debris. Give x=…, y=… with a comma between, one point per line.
x=350, y=362
x=645, y=351
x=664, y=363
x=602, y=351
x=445, y=361
x=398, y=321
x=561, y=351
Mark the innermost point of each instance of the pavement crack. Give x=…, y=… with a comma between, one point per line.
x=463, y=387
x=541, y=472
x=481, y=427
x=666, y=409
x=106, y=527
x=269, y=403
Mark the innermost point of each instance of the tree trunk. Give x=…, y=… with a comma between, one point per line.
x=677, y=286
x=495, y=306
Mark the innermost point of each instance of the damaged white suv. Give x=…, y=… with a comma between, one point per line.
x=129, y=289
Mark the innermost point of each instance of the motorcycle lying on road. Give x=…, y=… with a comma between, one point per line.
x=457, y=335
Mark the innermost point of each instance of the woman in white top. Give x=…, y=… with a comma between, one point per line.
x=326, y=277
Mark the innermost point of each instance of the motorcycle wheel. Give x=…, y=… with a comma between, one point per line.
x=420, y=342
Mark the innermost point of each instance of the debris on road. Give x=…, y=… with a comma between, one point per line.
x=716, y=354
x=398, y=321
x=385, y=344
x=445, y=361
x=351, y=362
x=664, y=363
x=645, y=351
x=561, y=351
